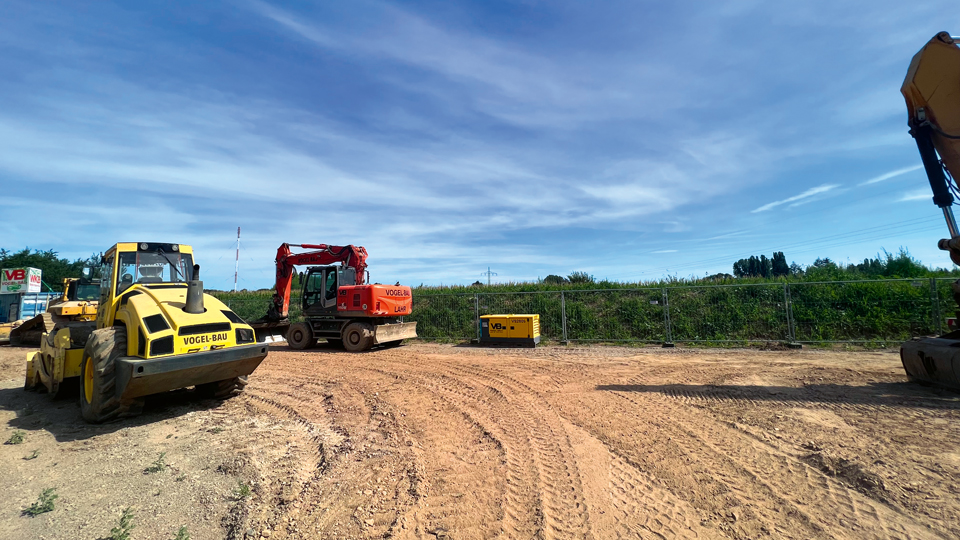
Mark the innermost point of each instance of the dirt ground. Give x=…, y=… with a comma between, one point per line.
x=442, y=441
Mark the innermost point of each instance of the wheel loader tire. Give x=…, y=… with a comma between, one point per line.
x=98, y=400
x=357, y=337
x=300, y=336
x=224, y=389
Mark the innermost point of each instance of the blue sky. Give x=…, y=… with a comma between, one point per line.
x=631, y=140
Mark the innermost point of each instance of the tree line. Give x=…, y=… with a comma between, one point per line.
x=885, y=265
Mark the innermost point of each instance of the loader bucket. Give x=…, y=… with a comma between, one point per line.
x=31, y=331
x=5, y=330
x=933, y=361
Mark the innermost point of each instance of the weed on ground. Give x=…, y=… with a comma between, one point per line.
x=43, y=505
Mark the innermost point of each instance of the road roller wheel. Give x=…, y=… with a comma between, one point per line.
x=99, y=401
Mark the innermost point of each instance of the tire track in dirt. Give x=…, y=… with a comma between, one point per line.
x=868, y=405
x=443, y=495
x=823, y=505
x=642, y=508
x=542, y=481
x=338, y=509
x=528, y=451
x=518, y=503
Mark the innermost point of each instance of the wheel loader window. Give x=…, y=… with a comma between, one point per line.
x=105, y=283
x=88, y=292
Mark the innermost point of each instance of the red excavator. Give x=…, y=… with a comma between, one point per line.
x=337, y=305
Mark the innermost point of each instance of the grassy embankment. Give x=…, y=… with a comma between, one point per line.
x=732, y=310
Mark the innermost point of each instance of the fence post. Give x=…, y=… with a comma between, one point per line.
x=666, y=320
x=476, y=313
x=788, y=308
x=935, y=305
x=563, y=310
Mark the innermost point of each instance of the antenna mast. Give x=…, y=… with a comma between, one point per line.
x=236, y=271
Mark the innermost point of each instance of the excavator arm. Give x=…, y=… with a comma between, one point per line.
x=932, y=92
x=351, y=256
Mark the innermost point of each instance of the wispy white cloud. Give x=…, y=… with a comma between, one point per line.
x=808, y=193
x=891, y=174
x=916, y=195
x=447, y=140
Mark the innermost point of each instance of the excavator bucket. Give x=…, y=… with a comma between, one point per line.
x=31, y=331
x=933, y=361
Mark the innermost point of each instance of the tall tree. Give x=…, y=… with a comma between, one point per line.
x=780, y=267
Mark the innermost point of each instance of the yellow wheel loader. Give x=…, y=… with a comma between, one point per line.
x=78, y=303
x=66, y=325
x=155, y=330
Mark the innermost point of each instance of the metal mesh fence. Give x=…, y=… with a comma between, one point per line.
x=729, y=313
x=887, y=310
x=842, y=311
x=615, y=315
x=445, y=316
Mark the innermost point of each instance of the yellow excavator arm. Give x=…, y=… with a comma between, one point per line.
x=932, y=92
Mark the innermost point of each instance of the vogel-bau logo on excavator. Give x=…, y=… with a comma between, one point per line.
x=398, y=292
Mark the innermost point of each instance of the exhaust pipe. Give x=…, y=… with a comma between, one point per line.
x=195, y=293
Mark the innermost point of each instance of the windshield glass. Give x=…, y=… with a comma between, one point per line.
x=153, y=267
x=88, y=292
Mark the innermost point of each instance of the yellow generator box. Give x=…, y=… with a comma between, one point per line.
x=521, y=330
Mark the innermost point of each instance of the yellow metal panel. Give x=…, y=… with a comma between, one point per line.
x=522, y=326
x=498, y=325
x=71, y=365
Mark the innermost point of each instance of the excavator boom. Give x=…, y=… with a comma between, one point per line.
x=352, y=256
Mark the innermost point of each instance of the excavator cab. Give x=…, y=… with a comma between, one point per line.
x=321, y=285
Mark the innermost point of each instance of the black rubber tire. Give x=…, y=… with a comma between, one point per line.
x=300, y=336
x=224, y=389
x=335, y=343
x=357, y=337
x=102, y=350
